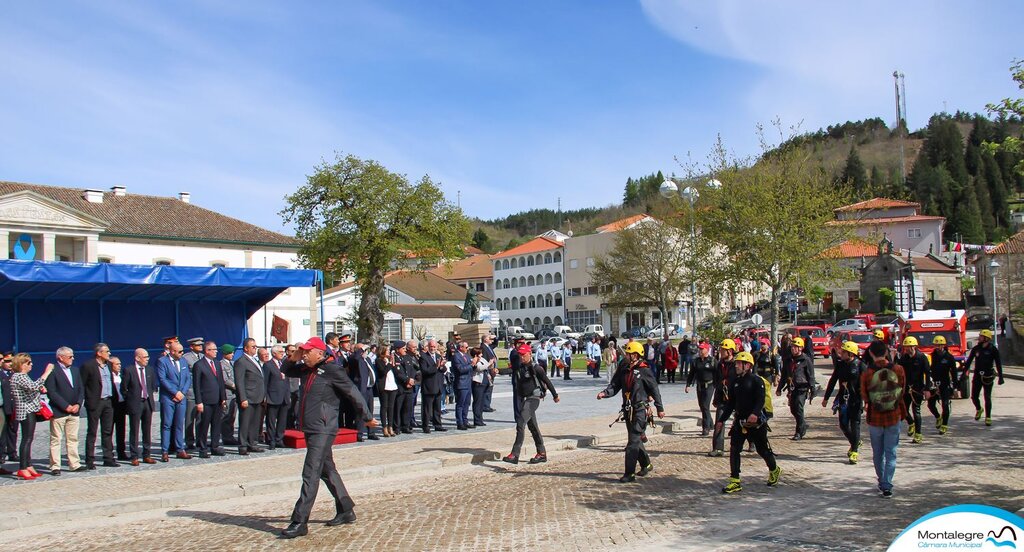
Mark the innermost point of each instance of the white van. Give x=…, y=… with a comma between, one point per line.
x=518, y=331
x=594, y=328
x=566, y=332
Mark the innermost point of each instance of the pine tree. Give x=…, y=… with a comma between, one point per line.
x=630, y=196
x=855, y=175
x=997, y=191
x=481, y=240
x=879, y=186
x=966, y=219
x=988, y=220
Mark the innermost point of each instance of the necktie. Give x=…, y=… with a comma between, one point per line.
x=212, y=367
x=142, y=379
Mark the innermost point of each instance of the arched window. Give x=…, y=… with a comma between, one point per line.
x=548, y=301
x=508, y=322
x=515, y=283
x=547, y=321
x=547, y=279
x=529, y=261
x=558, y=277
x=558, y=320
x=547, y=258
x=497, y=265
x=522, y=302
x=522, y=281
x=530, y=281
x=519, y=322
x=533, y=302
x=504, y=264
x=515, y=263
x=497, y=284
x=558, y=256
x=558, y=299
x=539, y=258
x=536, y=322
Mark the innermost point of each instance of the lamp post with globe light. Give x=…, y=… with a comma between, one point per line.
x=690, y=195
x=992, y=268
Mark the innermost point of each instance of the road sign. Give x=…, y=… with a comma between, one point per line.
x=793, y=306
x=756, y=319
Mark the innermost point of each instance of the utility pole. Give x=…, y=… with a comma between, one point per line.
x=559, y=214
x=458, y=198
x=901, y=120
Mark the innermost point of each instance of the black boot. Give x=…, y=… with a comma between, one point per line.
x=342, y=518
x=295, y=529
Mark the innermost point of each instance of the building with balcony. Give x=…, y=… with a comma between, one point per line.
x=528, y=283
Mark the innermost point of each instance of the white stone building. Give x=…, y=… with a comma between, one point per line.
x=528, y=283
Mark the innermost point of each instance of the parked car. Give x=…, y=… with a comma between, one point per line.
x=518, y=331
x=862, y=338
x=636, y=332
x=848, y=325
x=546, y=333
x=657, y=332
x=819, y=341
x=980, y=322
x=594, y=328
x=566, y=332
x=816, y=322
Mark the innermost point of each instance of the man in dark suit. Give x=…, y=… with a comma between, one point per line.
x=66, y=393
x=120, y=410
x=432, y=370
x=98, y=381
x=364, y=377
x=487, y=348
x=175, y=380
x=325, y=387
x=278, y=398
x=251, y=388
x=138, y=383
x=463, y=385
x=293, y=389
x=227, y=423
x=194, y=353
x=9, y=434
x=408, y=367
x=211, y=396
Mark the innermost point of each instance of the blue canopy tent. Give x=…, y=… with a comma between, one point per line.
x=44, y=305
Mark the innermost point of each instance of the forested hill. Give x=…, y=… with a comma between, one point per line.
x=946, y=170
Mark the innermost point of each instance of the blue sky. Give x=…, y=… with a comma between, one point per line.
x=510, y=104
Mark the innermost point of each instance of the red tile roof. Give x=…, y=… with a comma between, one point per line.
x=885, y=220
x=419, y=311
x=622, y=224
x=1014, y=245
x=878, y=203
x=851, y=249
x=533, y=246
x=157, y=217
x=477, y=267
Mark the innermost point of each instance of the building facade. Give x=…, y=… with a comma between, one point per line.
x=898, y=221
x=529, y=283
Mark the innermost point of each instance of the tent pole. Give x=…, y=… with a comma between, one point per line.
x=320, y=287
x=17, y=346
x=245, y=326
x=177, y=322
x=101, y=321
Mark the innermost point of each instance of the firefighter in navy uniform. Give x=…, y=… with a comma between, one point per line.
x=945, y=376
x=800, y=382
x=919, y=384
x=847, y=371
x=638, y=388
x=325, y=385
x=724, y=375
x=985, y=355
x=747, y=398
x=702, y=372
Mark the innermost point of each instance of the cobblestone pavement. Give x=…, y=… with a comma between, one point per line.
x=573, y=503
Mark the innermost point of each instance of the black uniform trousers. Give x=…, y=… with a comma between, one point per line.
x=208, y=428
x=758, y=436
x=120, y=427
x=430, y=411
x=319, y=465
x=277, y=422
x=718, y=437
x=250, y=421
x=704, y=393
x=913, y=400
x=191, y=421
x=528, y=419
x=478, y=402
x=9, y=441
x=944, y=394
x=404, y=403
x=227, y=421
x=977, y=384
x=797, y=401
x=635, y=449
x=849, y=422
x=143, y=421
x=293, y=412
x=100, y=419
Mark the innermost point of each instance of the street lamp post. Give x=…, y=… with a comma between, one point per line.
x=690, y=195
x=992, y=267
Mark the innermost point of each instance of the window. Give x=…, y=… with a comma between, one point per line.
x=549, y=301
x=547, y=279
x=530, y=281
x=105, y=260
x=573, y=263
x=529, y=261
x=590, y=261
x=515, y=283
x=504, y=264
x=558, y=256
x=497, y=265
x=522, y=281
x=533, y=302
x=391, y=330
x=558, y=277
x=391, y=296
x=591, y=290
x=220, y=264
x=558, y=299
x=162, y=262
x=573, y=292
x=914, y=233
x=547, y=258
x=515, y=263
x=480, y=286
x=581, y=319
x=539, y=259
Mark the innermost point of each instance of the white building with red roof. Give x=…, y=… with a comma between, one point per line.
x=899, y=221
x=528, y=283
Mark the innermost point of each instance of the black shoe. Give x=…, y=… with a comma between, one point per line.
x=511, y=459
x=342, y=518
x=627, y=478
x=796, y=437
x=204, y=454
x=257, y=449
x=272, y=447
x=218, y=452
x=296, y=529
x=80, y=469
x=359, y=439
x=479, y=424
x=462, y=428
x=243, y=452
x=373, y=437
x=90, y=466
x=407, y=431
x=489, y=410
x=539, y=458
x=646, y=470
x=705, y=433
x=111, y=464
x=471, y=426
x=55, y=473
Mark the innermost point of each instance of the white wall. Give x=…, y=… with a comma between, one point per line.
x=531, y=291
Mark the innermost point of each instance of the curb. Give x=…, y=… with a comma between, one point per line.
x=114, y=508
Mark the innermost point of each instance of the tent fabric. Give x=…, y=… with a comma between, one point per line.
x=45, y=305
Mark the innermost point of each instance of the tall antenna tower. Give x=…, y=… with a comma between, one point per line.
x=901, y=120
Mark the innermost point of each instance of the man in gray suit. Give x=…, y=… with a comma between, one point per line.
x=251, y=388
x=190, y=358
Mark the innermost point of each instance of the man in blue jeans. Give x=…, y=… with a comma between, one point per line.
x=881, y=389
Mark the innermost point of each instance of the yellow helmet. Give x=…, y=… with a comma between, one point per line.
x=798, y=342
x=634, y=347
x=879, y=333
x=744, y=356
x=986, y=333
x=910, y=341
x=938, y=340
x=729, y=344
x=851, y=347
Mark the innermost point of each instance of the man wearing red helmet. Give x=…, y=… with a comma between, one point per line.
x=531, y=382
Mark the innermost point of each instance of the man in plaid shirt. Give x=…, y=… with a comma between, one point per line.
x=881, y=387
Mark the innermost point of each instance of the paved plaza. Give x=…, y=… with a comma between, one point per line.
x=448, y=492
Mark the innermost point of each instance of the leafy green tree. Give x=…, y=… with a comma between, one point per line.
x=1010, y=108
x=966, y=219
x=886, y=299
x=482, y=241
x=855, y=175
x=355, y=218
x=988, y=220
